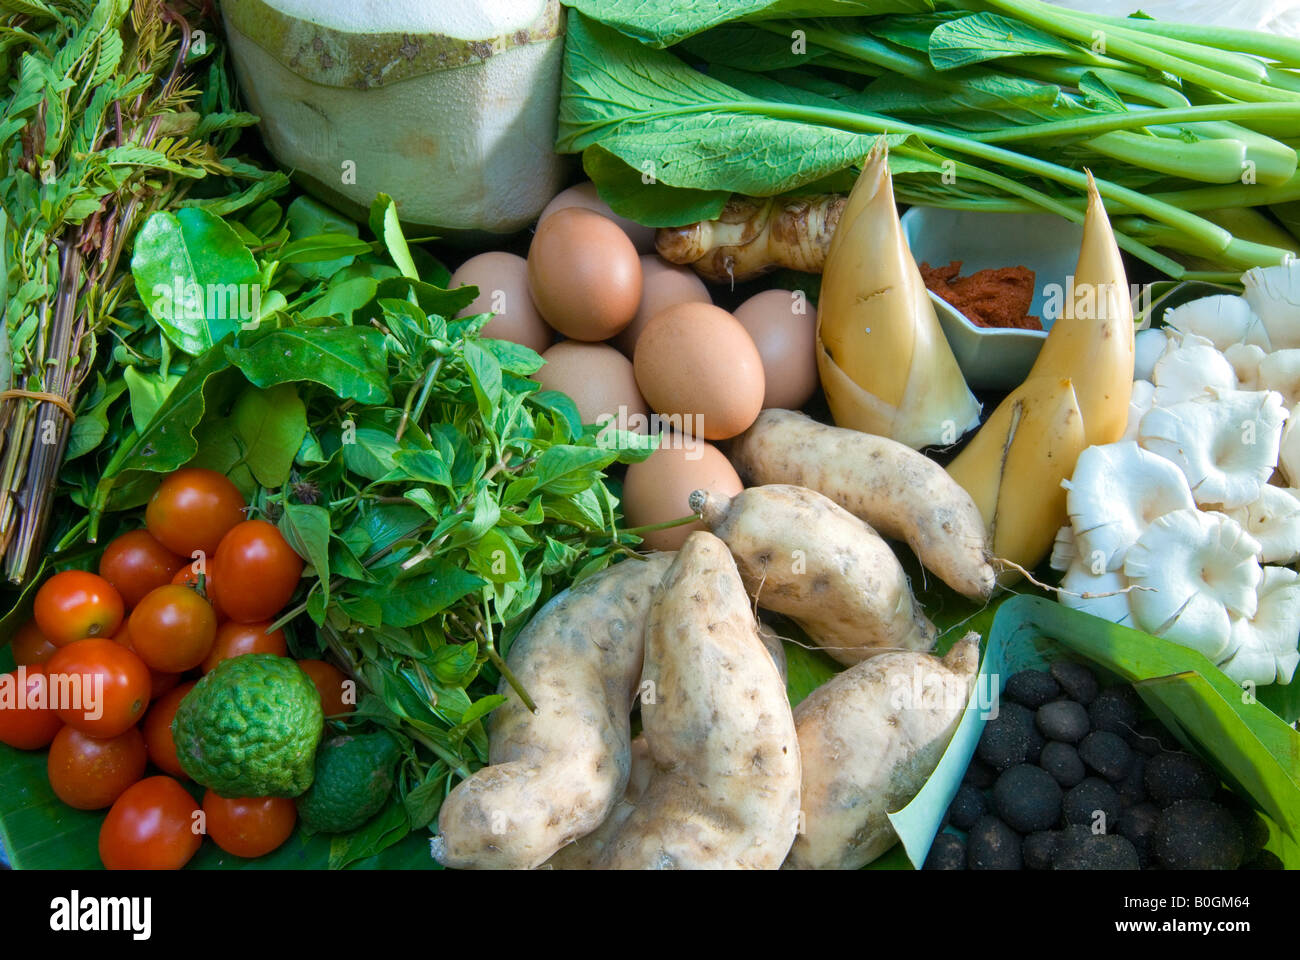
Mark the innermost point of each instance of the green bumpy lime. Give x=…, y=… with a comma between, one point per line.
x=250, y=728
x=354, y=776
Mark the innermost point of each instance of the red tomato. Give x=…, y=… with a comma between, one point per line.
x=74, y=604
x=152, y=826
x=159, y=682
x=331, y=684
x=257, y=570
x=30, y=645
x=136, y=563
x=187, y=576
x=192, y=509
x=172, y=629
x=157, y=729
x=26, y=720
x=89, y=774
x=98, y=686
x=236, y=639
x=249, y=827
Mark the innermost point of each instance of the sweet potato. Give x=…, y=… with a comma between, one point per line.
x=555, y=775
x=903, y=494
x=805, y=556
x=869, y=738
x=723, y=790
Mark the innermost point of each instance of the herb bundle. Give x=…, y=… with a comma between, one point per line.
x=102, y=123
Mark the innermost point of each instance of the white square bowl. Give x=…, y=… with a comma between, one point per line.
x=993, y=358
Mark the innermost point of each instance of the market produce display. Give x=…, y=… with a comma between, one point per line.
x=397, y=501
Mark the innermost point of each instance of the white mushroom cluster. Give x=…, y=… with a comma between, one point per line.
x=1185, y=527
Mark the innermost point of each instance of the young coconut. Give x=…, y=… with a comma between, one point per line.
x=556, y=774
x=1226, y=443
x=1223, y=320
x=1265, y=649
x=1202, y=570
x=870, y=737
x=1274, y=520
x=884, y=362
x=1189, y=369
x=1115, y=492
x=1141, y=400
x=1274, y=294
x=901, y=493
x=805, y=556
x=723, y=792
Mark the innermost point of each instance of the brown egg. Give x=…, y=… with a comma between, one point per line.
x=695, y=361
x=584, y=195
x=787, y=341
x=658, y=489
x=599, y=380
x=663, y=285
x=502, y=281
x=584, y=274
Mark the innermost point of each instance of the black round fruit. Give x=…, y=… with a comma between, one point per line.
x=1027, y=798
x=948, y=852
x=1078, y=682
x=1062, y=761
x=1033, y=688
x=967, y=806
x=1114, y=711
x=1090, y=799
x=1063, y=720
x=1100, y=852
x=1179, y=776
x=1198, y=835
x=992, y=845
x=1038, y=850
x=1107, y=754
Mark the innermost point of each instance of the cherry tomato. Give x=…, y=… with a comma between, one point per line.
x=99, y=687
x=30, y=646
x=331, y=684
x=187, y=576
x=89, y=774
x=159, y=682
x=157, y=729
x=257, y=571
x=26, y=720
x=136, y=563
x=237, y=639
x=172, y=629
x=192, y=509
x=249, y=827
x=152, y=826
x=74, y=604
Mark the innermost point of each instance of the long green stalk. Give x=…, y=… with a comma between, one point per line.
x=1135, y=47
x=1272, y=46
x=1134, y=119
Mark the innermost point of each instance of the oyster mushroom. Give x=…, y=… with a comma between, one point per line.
x=1274, y=294
x=1063, y=552
x=1140, y=401
x=1226, y=443
x=1148, y=345
x=1191, y=369
x=1117, y=490
x=1265, y=645
x=1224, y=320
x=1245, y=359
x=1280, y=371
x=1201, y=570
x=1273, y=519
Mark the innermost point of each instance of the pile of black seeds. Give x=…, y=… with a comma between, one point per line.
x=1071, y=775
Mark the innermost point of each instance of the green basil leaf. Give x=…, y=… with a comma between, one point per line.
x=271, y=425
x=351, y=361
x=307, y=530
x=416, y=598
